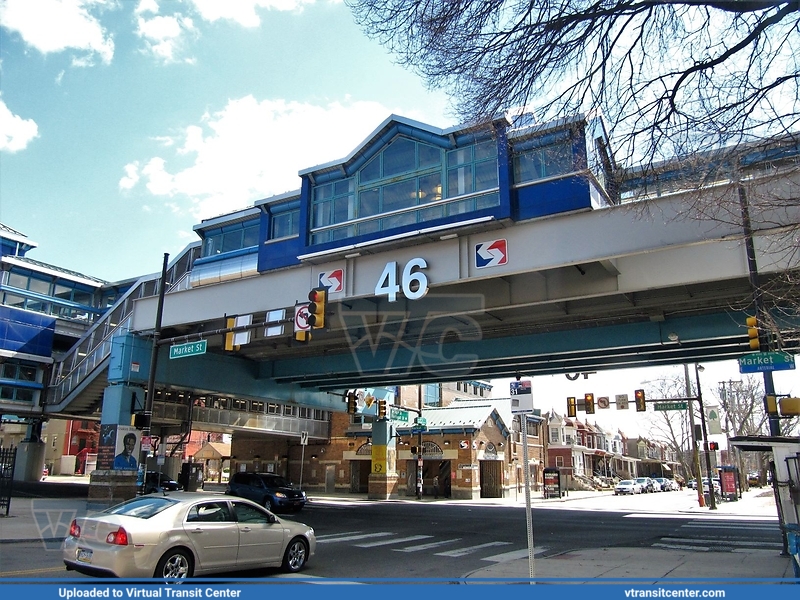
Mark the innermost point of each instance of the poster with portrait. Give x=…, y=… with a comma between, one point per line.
x=127, y=448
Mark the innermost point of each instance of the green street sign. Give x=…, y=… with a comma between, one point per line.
x=671, y=405
x=188, y=349
x=758, y=362
x=396, y=414
x=421, y=421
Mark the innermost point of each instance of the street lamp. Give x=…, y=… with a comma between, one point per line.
x=712, y=502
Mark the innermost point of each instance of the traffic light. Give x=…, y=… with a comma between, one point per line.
x=302, y=336
x=572, y=407
x=381, y=409
x=713, y=445
x=351, y=403
x=752, y=332
x=318, y=300
x=588, y=400
x=641, y=402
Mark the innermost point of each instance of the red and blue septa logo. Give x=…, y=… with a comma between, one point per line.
x=333, y=281
x=491, y=254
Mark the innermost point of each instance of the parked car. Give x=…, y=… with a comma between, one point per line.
x=182, y=535
x=272, y=491
x=646, y=483
x=156, y=482
x=664, y=484
x=692, y=483
x=627, y=486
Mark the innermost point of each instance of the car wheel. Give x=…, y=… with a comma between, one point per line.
x=175, y=564
x=267, y=503
x=296, y=556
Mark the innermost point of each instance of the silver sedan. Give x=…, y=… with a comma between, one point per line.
x=180, y=535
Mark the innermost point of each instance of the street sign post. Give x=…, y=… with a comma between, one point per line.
x=759, y=362
x=188, y=349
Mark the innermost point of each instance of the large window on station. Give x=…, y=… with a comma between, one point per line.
x=544, y=157
x=230, y=238
x=408, y=182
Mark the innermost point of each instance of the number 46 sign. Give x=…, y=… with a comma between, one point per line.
x=413, y=283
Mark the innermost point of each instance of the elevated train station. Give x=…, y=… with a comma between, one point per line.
x=444, y=255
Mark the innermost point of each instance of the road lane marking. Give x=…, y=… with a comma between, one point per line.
x=412, y=538
x=348, y=538
x=429, y=546
x=513, y=555
x=470, y=549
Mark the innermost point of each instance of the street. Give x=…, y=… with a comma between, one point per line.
x=405, y=539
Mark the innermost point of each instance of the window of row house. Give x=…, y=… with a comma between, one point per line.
x=395, y=188
x=559, y=461
x=233, y=237
x=555, y=436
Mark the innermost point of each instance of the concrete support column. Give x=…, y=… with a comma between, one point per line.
x=383, y=479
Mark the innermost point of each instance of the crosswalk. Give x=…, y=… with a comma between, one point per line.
x=424, y=543
x=703, y=535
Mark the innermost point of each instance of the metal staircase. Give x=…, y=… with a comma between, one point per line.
x=77, y=380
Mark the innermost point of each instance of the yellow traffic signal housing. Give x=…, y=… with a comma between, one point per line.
x=641, y=401
x=381, y=409
x=772, y=405
x=790, y=407
x=572, y=407
x=752, y=333
x=588, y=400
x=318, y=301
x=302, y=336
x=351, y=403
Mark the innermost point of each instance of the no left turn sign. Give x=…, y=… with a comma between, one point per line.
x=301, y=318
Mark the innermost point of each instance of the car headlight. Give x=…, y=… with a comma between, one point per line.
x=280, y=495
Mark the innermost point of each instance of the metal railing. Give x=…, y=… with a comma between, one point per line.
x=91, y=351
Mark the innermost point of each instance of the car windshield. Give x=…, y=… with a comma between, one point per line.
x=143, y=508
x=274, y=481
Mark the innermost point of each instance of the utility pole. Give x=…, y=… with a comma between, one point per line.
x=419, y=446
x=695, y=455
x=151, y=379
x=711, y=498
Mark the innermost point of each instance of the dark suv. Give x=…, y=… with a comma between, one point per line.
x=270, y=490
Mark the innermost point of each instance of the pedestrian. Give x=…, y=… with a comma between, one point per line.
x=436, y=486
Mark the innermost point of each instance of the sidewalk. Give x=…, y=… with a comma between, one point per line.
x=47, y=519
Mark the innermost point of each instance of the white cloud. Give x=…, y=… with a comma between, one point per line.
x=146, y=6
x=15, y=132
x=244, y=12
x=59, y=25
x=131, y=177
x=251, y=150
x=163, y=35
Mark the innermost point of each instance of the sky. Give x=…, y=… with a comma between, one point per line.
x=124, y=123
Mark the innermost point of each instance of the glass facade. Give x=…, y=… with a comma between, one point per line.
x=230, y=238
x=546, y=161
x=409, y=182
x=38, y=292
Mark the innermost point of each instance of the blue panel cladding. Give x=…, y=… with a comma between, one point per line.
x=279, y=254
x=130, y=359
x=553, y=197
x=22, y=331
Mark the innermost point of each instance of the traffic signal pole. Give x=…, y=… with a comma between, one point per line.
x=695, y=454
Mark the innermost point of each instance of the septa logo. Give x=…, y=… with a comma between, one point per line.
x=491, y=254
x=333, y=280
